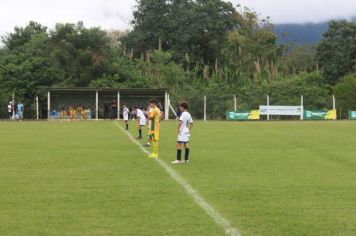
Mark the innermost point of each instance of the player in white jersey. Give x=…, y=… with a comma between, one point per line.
x=125, y=114
x=141, y=122
x=184, y=128
x=149, y=122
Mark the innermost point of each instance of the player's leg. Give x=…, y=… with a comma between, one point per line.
x=139, y=128
x=179, y=153
x=155, y=138
x=139, y=132
x=149, y=140
x=127, y=124
x=187, y=150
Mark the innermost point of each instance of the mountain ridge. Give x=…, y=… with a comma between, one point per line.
x=301, y=34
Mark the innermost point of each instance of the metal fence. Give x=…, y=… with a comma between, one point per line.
x=212, y=107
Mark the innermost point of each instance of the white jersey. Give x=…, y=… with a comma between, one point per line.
x=184, y=132
x=141, y=116
x=125, y=113
x=9, y=108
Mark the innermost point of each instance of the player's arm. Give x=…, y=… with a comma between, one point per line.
x=179, y=125
x=191, y=125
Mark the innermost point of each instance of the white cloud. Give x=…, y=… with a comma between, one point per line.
x=301, y=11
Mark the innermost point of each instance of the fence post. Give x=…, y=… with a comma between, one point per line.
x=205, y=108
x=302, y=106
x=235, y=103
x=268, y=106
x=13, y=105
x=334, y=103
x=37, y=109
x=49, y=105
x=118, y=105
x=169, y=104
x=166, y=106
x=97, y=105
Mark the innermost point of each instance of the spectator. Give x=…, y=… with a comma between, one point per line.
x=106, y=110
x=113, y=110
x=20, y=110
x=10, y=110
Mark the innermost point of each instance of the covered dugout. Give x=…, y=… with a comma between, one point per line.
x=92, y=103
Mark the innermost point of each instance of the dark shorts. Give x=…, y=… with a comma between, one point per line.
x=179, y=142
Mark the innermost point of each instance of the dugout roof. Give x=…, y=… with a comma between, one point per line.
x=136, y=91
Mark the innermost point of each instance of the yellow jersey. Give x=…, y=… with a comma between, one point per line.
x=155, y=116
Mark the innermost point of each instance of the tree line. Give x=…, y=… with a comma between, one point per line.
x=193, y=48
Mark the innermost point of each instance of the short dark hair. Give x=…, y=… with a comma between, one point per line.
x=154, y=101
x=185, y=105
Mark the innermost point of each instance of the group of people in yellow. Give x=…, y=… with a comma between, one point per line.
x=75, y=113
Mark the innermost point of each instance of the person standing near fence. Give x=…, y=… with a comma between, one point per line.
x=113, y=110
x=20, y=110
x=10, y=109
x=106, y=110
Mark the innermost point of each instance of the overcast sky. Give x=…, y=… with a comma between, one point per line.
x=116, y=14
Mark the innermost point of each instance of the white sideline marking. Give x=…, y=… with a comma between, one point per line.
x=219, y=219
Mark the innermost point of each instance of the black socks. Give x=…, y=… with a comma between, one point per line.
x=127, y=126
x=186, y=154
x=179, y=154
x=186, y=157
x=140, y=133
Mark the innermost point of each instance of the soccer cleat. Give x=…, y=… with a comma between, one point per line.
x=176, y=162
x=184, y=162
x=147, y=145
x=153, y=155
x=139, y=138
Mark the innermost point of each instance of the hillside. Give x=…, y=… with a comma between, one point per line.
x=309, y=33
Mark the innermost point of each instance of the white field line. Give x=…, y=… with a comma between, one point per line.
x=210, y=210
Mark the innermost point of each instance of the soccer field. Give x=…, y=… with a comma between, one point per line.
x=264, y=178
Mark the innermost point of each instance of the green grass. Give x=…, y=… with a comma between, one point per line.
x=88, y=178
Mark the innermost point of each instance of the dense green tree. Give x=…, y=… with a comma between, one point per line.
x=301, y=58
x=81, y=53
x=193, y=30
x=337, y=50
x=27, y=66
x=21, y=35
x=345, y=93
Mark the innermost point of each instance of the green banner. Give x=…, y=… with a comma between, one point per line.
x=243, y=115
x=320, y=115
x=352, y=115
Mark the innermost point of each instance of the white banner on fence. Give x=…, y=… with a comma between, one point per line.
x=282, y=110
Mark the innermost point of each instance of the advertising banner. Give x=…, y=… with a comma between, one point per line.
x=352, y=115
x=320, y=115
x=243, y=115
x=281, y=110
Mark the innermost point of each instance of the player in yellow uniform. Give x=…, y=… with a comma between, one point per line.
x=154, y=118
x=149, y=132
